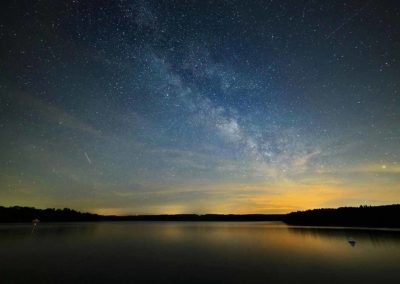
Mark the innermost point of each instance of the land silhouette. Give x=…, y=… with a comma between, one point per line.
x=25, y=214
x=362, y=216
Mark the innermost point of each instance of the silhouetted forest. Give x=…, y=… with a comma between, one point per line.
x=364, y=216
x=27, y=214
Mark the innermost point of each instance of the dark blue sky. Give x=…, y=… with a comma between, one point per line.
x=199, y=106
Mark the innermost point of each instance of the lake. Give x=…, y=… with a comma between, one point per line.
x=196, y=252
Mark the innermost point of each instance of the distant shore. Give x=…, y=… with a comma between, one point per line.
x=27, y=214
x=385, y=216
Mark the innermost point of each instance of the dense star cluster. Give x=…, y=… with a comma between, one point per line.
x=199, y=106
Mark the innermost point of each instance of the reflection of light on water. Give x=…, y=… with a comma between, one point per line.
x=35, y=223
x=233, y=251
x=281, y=242
x=272, y=236
x=364, y=245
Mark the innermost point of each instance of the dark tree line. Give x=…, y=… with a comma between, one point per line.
x=28, y=214
x=363, y=216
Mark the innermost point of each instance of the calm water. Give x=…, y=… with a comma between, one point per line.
x=206, y=252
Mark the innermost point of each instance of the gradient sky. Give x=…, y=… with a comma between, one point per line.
x=132, y=107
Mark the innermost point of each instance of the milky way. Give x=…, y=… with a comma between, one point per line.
x=124, y=107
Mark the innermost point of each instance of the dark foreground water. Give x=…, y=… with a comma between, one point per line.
x=204, y=252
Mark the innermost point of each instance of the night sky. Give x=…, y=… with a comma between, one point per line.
x=146, y=107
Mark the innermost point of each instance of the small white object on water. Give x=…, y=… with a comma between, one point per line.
x=35, y=222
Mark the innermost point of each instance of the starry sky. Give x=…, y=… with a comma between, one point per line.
x=147, y=107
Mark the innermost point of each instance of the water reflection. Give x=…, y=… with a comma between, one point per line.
x=16, y=232
x=185, y=252
x=369, y=236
